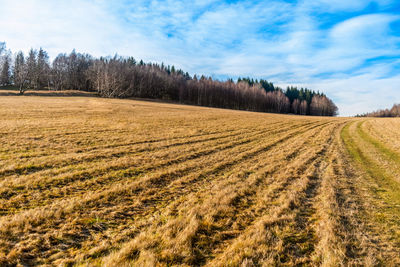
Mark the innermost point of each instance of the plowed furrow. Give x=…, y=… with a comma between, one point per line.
x=144, y=159
x=279, y=185
x=114, y=142
x=285, y=226
x=221, y=167
x=214, y=233
x=95, y=156
x=65, y=185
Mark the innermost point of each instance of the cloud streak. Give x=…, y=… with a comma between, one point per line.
x=349, y=49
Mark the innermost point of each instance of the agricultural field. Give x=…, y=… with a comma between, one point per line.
x=88, y=181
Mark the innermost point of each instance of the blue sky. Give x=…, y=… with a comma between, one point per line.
x=349, y=49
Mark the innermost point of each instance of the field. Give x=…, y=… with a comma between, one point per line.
x=108, y=182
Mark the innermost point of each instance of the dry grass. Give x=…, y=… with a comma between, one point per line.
x=104, y=182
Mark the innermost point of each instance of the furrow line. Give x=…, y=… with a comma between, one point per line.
x=217, y=169
x=257, y=181
x=281, y=226
x=32, y=168
x=62, y=185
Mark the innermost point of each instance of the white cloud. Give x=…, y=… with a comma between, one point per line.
x=72, y=24
x=343, y=5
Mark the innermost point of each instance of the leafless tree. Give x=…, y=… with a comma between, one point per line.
x=322, y=106
x=20, y=72
x=296, y=106
x=303, y=107
x=393, y=112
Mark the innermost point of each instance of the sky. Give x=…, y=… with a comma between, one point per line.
x=348, y=49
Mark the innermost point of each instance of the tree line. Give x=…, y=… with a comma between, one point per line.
x=124, y=77
x=393, y=112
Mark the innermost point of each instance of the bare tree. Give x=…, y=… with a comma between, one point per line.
x=303, y=107
x=20, y=71
x=393, y=112
x=322, y=106
x=59, y=72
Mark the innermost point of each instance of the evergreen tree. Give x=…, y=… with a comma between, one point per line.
x=31, y=65
x=43, y=69
x=5, y=75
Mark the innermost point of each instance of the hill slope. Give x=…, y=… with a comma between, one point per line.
x=112, y=182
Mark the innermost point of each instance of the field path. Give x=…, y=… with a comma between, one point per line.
x=107, y=182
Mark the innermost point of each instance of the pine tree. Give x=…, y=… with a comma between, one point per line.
x=31, y=65
x=5, y=76
x=43, y=69
x=2, y=47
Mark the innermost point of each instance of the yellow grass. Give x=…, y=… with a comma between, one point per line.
x=86, y=181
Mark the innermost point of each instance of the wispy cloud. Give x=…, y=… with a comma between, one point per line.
x=349, y=49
